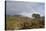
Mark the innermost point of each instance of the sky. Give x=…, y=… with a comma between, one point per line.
x=28, y=0
x=24, y=8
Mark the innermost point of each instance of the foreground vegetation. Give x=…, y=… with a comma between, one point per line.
x=20, y=22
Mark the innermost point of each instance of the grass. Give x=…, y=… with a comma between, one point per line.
x=18, y=22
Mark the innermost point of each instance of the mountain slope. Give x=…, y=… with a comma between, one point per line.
x=20, y=22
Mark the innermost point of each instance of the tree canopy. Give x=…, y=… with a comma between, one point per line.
x=36, y=15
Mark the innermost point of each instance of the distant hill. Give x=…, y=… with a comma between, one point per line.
x=19, y=18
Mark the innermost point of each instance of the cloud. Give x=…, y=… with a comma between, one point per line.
x=24, y=8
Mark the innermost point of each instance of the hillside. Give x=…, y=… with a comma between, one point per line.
x=20, y=22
